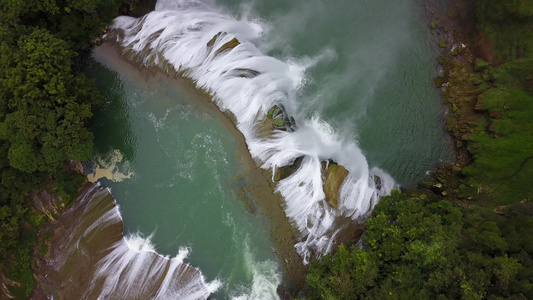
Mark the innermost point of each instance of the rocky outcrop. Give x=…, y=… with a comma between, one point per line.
x=226, y=47
x=279, y=119
x=89, y=237
x=334, y=177
x=286, y=171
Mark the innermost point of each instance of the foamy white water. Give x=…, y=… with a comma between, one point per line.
x=125, y=267
x=180, y=36
x=265, y=279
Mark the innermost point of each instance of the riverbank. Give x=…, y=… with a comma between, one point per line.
x=472, y=216
x=257, y=192
x=484, y=86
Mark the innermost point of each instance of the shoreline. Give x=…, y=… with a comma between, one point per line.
x=89, y=235
x=258, y=190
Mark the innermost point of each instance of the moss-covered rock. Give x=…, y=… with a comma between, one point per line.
x=270, y=113
x=335, y=176
x=278, y=122
x=426, y=184
x=480, y=65
x=228, y=46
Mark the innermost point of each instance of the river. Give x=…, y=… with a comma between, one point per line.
x=351, y=81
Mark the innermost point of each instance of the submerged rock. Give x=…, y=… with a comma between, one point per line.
x=432, y=185
x=335, y=176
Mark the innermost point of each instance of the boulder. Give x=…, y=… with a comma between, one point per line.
x=286, y=171
x=228, y=46
x=335, y=176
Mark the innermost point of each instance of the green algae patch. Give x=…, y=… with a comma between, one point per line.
x=270, y=113
x=335, y=176
x=278, y=122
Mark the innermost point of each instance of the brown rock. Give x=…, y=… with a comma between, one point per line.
x=286, y=171
x=491, y=127
x=335, y=176
x=479, y=106
x=495, y=114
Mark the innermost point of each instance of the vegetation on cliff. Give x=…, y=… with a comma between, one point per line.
x=45, y=110
x=465, y=233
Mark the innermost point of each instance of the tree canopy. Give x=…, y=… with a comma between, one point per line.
x=420, y=249
x=46, y=107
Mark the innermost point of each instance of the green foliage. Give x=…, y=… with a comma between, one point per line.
x=21, y=272
x=270, y=113
x=47, y=106
x=501, y=145
x=415, y=249
x=505, y=24
x=349, y=271
x=74, y=21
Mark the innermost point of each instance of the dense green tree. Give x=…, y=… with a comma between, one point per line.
x=75, y=21
x=47, y=107
x=419, y=249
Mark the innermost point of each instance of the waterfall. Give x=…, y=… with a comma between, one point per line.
x=197, y=40
x=90, y=259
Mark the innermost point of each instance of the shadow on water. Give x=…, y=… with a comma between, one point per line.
x=112, y=113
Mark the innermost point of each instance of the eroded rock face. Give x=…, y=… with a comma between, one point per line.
x=88, y=258
x=286, y=171
x=334, y=177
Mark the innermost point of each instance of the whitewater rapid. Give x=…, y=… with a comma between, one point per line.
x=90, y=259
x=197, y=40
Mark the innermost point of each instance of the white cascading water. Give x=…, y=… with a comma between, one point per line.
x=89, y=238
x=179, y=37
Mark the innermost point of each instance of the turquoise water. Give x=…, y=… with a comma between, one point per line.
x=185, y=184
x=373, y=78
x=355, y=75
